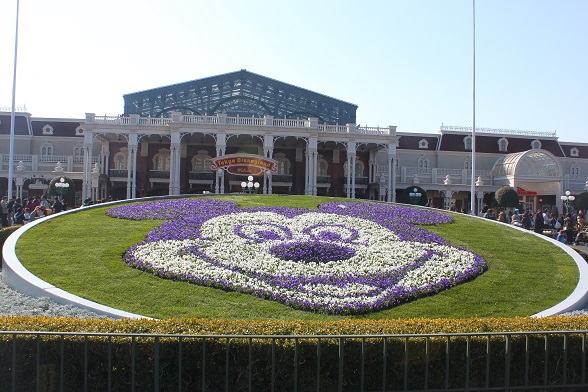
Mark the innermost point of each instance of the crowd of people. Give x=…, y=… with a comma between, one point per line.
x=569, y=228
x=17, y=211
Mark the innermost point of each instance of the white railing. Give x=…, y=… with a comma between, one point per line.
x=52, y=158
x=112, y=120
x=192, y=119
x=373, y=130
x=19, y=157
x=451, y=172
x=290, y=123
x=458, y=128
x=154, y=121
x=417, y=170
x=333, y=128
x=245, y=121
x=17, y=109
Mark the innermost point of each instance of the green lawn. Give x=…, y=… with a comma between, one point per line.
x=81, y=253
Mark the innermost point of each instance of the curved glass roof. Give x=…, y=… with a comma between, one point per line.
x=532, y=163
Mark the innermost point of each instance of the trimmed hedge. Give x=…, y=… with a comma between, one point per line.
x=5, y=233
x=382, y=362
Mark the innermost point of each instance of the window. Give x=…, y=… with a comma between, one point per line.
x=323, y=166
x=423, y=143
x=161, y=160
x=201, y=162
x=467, y=164
x=79, y=131
x=120, y=160
x=358, y=168
x=574, y=152
x=47, y=149
x=283, y=163
x=467, y=142
x=574, y=170
x=535, y=144
x=502, y=145
x=423, y=165
x=78, y=152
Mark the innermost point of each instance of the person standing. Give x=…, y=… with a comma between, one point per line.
x=4, y=211
x=539, y=222
x=57, y=206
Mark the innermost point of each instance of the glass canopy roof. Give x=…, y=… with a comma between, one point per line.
x=527, y=164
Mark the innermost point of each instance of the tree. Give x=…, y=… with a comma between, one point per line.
x=60, y=186
x=408, y=199
x=507, y=196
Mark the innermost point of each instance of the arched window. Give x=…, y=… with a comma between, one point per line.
x=283, y=163
x=120, y=160
x=46, y=149
x=323, y=166
x=503, y=144
x=535, y=144
x=423, y=165
x=201, y=162
x=161, y=160
x=467, y=164
x=359, y=166
x=574, y=170
x=423, y=143
x=467, y=142
x=78, y=151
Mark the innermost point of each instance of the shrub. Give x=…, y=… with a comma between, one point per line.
x=5, y=232
x=507, y=196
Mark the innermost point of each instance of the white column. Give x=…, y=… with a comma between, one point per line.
x=133, y=144
x=87, y=166
x=348, y=179
x=221, y=145
x=353, y=161
x=306, y=172
x=391, y=176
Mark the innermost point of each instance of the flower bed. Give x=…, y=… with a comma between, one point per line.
x=342, y=258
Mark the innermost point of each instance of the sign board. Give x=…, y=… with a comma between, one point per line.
x=524, y=192
x=244, y=164
x=38, y=185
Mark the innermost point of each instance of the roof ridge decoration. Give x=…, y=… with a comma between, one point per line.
x=498, y=131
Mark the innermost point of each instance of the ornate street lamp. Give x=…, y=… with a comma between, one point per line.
x=415, y=196
x=568, y=200
x=250, y=186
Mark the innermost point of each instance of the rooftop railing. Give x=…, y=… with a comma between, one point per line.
x=499, y=131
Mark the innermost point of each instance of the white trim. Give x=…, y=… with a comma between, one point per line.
x=16, y=276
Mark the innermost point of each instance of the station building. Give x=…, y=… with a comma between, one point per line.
x=211, y=135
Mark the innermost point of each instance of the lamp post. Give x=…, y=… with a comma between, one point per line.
x=568, y=200
x=250, y=186
x=415, y=196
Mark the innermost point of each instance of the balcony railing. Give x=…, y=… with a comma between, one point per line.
x=118, y=173
x=358, y=181
x=323, y=179
x=287, y=178
x=159, y=174
x=200, y=176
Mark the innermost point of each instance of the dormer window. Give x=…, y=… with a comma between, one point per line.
x=79, y=131
x=503, y=144
x=423, y=143
x=535, y=144
x=467, y=143
x=574, y=152
x=47, y=130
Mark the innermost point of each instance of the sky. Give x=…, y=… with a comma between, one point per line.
x=408, y=63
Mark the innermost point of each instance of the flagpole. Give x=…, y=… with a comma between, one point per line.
x=12, y=113
x=473, y=165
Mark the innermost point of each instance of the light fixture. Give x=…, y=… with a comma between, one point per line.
x=249, y=186
x=568, y=200
x=415, y=196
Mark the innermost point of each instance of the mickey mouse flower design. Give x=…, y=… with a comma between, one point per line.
x=320, y=261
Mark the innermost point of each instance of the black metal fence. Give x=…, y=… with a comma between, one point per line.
x=517, y=361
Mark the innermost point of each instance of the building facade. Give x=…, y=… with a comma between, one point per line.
x=168, y=137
